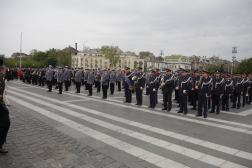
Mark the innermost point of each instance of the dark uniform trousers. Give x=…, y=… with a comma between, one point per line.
x=250, y=95
x=4, y=124
x=139, y=96
x=98, y=86
x=225, y=102
x=104, y=90
x=39, y=81
x=42, y=81
x=78, y=84
x=82, y=81
x=128, y=94
x=244, y=96
x=194, y=98
x=167, y=100
x=50, y=85
x=215, y=101
x=153, y=99
x=205, y=102
x=119, y=85
x=183, y=102
x=60, y=87
x=66, y=85
x=235, y=96
x=112, y=88
x=147, y=90
x=86, y=85
x=90, y=88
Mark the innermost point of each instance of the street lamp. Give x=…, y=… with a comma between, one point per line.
x=234, y=51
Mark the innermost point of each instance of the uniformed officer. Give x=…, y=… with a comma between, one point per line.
x=228, y=88
x=119, y=79
x=104, y=83
x=67, y=78
x=139, y=86
x=112, y=81
x=204, y=91
x=167, y=85
x=95, y=82
x=78, y=78
x=43, y=71
x=245, y=87
x=4, y=112
x=90, y=82
x=147, y=76
x=50, y=78
x=238, y=90
x=86, y=78
x=60, y=79
x=153, y=84
x=218, y=91
x=98, y=79
x=196, y=79
x=158, y=75
x=128, y=85
x=250, y=89
x=184, y=86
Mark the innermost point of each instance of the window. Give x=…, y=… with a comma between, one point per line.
x=90, y=54
x=81, y=59
x=91, y=59
x=175, y=66
x=100, y=60
x=120, y=61
x=115, y=65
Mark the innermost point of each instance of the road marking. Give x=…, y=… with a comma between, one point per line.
x=116, y=143
x=247, y=131
x=174, y=147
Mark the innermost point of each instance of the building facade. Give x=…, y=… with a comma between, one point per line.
x=94, y=58
x=176, y=62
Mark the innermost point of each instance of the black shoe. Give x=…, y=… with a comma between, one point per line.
x=169, y=110
x=59, y=93
x=89, y=95
x=232, y=107
x=2, y=150
x=125, y=102
x=111, y=93
x=198, y=115
x=178, y=106
x=223, y=109
x=193, y=109
x=243, y=105
x=153, y=107
x=217, y=112
x=65, y=90
x=164, y=109
x=185, y=113
x=150, y=107
x=98, y=91
x=211, y=111
x=205, y=116
x=162, y=104
x=77, y=92
x=238, y=107
x=129, y=102
x=180, y=111
x=49, y=91
x=137, y=104
x=104, y=97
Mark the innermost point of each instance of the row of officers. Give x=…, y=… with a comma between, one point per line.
x=200, y=88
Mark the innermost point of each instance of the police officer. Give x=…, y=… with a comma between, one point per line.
x=204, y=91
x=196, y=79
x=228, y=88
x=167, y=85
x=95, y=82
x=50, y=78
x=238, y=90
x=112, y=81
x=147, y=77
x=139, y=86
x=90, y=82
x=104, y=83
x=184, y=87
x=119, y=79
x=128, y=85
x=67, y=78
x=98, y=79
x=158, y=75
x=218, y=86
x=153, y=85
x=245, y=87
x=250, y=89
x=60, y=79
x=86, y=78
x=77, y=79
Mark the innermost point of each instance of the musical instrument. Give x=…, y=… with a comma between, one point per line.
x=134, y=78
x=162, y=81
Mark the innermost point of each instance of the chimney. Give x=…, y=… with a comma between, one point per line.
x=76, y=46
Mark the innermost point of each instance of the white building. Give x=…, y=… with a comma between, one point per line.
x=175, y=62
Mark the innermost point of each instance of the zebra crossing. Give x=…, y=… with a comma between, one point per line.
x=152, y=138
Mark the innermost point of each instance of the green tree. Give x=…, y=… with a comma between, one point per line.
x=112, y=53
x=64, y=57
x=160, y=57
x=143, y=54
x=2, y=55
x=245, y=66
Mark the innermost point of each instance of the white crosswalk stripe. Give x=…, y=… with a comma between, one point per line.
x=154, y=159
x=181, y=137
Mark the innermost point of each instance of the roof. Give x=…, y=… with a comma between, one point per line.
x=175, y=57
x=18, y=54
x=72, y=50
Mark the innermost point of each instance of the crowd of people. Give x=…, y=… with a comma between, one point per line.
x=206, y=92
x=212, y=92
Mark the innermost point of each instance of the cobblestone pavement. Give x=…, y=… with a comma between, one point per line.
x=32, y=143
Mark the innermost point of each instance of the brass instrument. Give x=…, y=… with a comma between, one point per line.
x=178, y=84
x=134, y=78
x=247, y=91
x=162, y=81
x=192, y=83
x=200, y=81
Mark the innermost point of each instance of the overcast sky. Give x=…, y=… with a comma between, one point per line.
x=187, y=27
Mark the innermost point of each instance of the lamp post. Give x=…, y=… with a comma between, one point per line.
x=234, y=50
